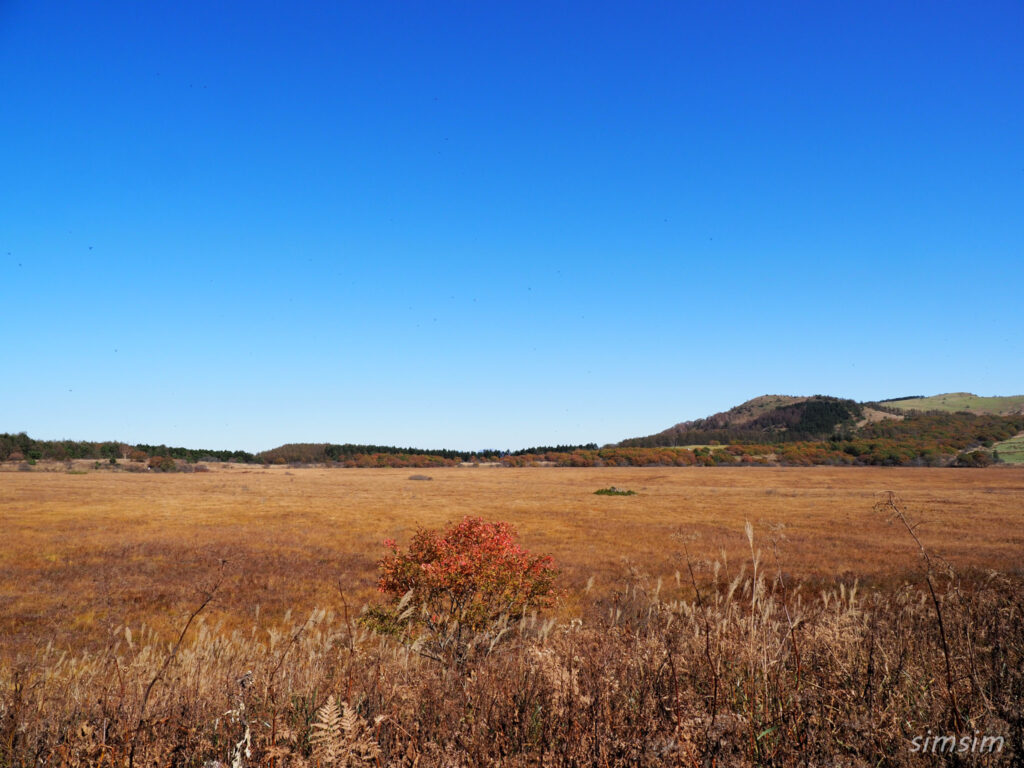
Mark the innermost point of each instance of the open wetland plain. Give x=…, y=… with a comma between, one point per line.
x=86, y=553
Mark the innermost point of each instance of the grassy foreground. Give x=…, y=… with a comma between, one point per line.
x=720, y=666
x=704, y=647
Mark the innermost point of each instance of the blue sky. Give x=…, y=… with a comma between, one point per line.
x=480, y=224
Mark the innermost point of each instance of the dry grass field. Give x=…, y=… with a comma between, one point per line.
x=86, y=553
x=822, y=639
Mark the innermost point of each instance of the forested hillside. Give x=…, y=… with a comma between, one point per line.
x=827, y=430
x=768, y=419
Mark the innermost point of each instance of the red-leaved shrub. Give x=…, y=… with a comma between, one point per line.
x=456, y=590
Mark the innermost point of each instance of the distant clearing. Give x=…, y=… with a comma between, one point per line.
x=1011, y=451
x=873, y=415
x=962, y=401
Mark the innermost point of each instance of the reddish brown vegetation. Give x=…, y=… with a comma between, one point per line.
x=456, y=589
x=742, y=654
x=721, y=665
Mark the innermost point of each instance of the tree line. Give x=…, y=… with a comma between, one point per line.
x=922, y=438
x=21, y=447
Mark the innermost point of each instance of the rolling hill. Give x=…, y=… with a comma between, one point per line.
x=954, y=429
x=788, y=418
x=765, y=419
x=961, y=401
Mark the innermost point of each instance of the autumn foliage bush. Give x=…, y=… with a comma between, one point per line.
x=458, y=590
x=162, y=464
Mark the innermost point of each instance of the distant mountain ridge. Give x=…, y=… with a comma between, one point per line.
x=789, y=418
x=953, y=429
x=765, y=419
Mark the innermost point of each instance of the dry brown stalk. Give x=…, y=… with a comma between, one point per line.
x=207, y=597
x=892, y=504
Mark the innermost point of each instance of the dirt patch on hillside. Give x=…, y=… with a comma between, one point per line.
x=872, y=415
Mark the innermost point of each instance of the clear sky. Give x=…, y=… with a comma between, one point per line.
x=233, y=225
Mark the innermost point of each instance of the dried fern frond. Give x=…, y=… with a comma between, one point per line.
x=326, y=736
x=341, y=737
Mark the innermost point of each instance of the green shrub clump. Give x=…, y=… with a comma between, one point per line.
x=613, y=491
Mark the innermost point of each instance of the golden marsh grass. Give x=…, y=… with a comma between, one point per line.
x=84, y=553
